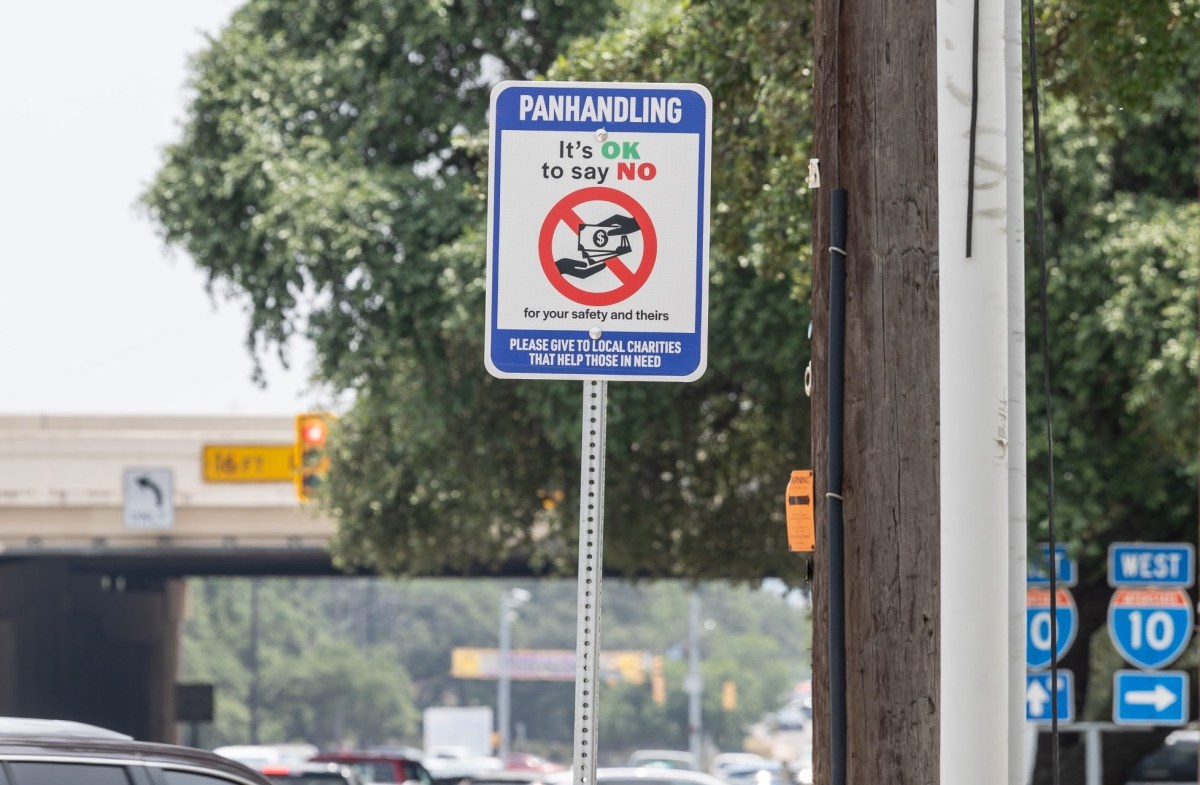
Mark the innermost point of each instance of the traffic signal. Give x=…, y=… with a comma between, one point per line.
x=729, y=696
x=658, y=685
x=312, y=462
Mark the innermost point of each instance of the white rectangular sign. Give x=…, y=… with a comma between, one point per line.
x=149, y=498
x=598, y=231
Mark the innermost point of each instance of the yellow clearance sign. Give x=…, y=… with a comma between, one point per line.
x=249, y=462
x=545, y=665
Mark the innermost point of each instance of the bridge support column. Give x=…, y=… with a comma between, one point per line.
x=83, y=646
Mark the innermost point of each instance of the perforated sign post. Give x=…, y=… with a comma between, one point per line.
x=598, y=231
x=597, y=270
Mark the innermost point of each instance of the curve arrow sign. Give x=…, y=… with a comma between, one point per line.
x=146, y=484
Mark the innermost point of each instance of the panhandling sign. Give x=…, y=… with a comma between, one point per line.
x=598, y=231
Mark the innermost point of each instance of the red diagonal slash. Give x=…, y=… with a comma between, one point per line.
x=564, y=212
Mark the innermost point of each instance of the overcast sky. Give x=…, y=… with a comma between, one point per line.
x=95, y=316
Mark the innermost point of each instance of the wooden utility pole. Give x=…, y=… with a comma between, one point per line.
x=876, y=136
x=928, y=541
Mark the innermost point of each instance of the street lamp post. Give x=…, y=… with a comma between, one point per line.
x=509, y=602
x=695, y=685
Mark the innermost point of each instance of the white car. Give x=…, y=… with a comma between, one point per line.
x=654, y=775
x=664, y=759
x=258, y=755
x=720, y=765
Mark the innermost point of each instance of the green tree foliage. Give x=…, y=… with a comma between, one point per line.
x=1116, y=56
x=355, y=661
x=332, y=172
x=293, y=674
x=1123, y=238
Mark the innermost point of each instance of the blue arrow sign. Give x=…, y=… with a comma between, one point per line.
x=1141, y=698
x=1066, y=568
x=1037, y=626
x=1150, y=627
x=1151, y=564
x=1039, y=703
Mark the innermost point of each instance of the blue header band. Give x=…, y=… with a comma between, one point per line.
x=540, y=107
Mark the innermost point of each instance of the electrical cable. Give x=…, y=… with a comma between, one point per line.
x=974, y=126
x=836, y=527
x=1045, y=349
x=835, y=369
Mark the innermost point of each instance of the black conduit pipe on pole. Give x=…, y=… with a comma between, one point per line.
x=833, y=488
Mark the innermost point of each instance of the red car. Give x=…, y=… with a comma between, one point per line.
x=380, y=768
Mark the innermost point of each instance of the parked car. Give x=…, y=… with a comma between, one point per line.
x=725, y=760
x=373, y=768
x=258, y=755
x=30, y=726
x=512, y=777
x=767, y=772
x=450, y=763
x=47, y=752
x=653, y=775
x=310, y=773
x=526, y=761
x=802, y=767
x=1174, y=763
x=663, y=759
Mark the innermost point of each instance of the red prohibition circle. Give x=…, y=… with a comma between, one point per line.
x=564, y=212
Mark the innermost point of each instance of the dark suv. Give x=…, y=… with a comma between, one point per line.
x=37, y=752
x=1174, y=763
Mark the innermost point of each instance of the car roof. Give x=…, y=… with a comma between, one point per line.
x=332, y=770
x=33, y=726
x=105, y=749
x=726, y=760
x=650, y=774
x=762, y=765
x=355, y=755
x=507, y=776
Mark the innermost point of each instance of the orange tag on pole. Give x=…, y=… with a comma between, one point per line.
x=801, y=531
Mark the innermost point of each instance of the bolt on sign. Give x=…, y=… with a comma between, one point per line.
x=598, y=231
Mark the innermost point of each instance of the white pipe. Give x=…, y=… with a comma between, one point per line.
x=1020, y=736
x=974, y=400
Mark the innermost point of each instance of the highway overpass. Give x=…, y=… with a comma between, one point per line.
x=101, y=519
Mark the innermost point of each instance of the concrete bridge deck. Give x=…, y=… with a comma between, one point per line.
x=64, y=493
x=101, y=519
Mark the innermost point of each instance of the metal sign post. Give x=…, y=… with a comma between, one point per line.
x=591, y=573
x=597, y=270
